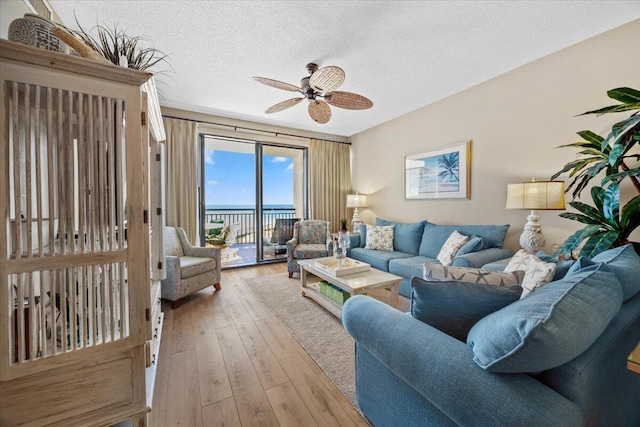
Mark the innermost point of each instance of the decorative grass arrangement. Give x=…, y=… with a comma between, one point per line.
x=114, y=43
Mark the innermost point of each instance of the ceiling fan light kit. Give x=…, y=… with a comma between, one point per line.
x=321, y=83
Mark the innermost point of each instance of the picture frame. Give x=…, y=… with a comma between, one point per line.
x=442, y=173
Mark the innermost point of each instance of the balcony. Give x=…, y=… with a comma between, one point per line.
x=242, y=250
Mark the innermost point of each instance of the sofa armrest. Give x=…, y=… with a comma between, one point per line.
x=480, y=258
x=354, y=240
x=442, y=370
x=291, y=246
x=172, y=266
x=199, y=252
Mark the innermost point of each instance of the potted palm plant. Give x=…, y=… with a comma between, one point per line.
x=607, y=224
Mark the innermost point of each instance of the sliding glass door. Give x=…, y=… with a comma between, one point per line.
x=251, y=194
x=282, y=197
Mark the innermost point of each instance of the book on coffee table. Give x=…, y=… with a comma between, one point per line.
x=333, y=266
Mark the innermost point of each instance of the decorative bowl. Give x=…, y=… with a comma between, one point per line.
x=34, y=30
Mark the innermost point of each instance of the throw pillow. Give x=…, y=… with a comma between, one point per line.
x=536, y=272
x=625, y=263
x=454, y=307
x=379, y=237
x=474, y=244
x=451, y=247
x=406, y=237
x=550, y=327
x=437, y=273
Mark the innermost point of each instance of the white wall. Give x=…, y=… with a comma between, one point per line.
x=515, y=121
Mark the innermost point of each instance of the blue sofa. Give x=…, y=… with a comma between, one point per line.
x=420, y=242
x=409, y=373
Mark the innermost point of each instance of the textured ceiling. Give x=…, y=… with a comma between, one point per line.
x=401, y=55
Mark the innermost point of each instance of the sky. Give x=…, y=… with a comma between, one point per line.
x=230, y=179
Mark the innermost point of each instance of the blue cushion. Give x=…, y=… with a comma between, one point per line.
x=625, y=263
x=409, y=267
x=377, y=259
x=435, y=235
x=406, y=237
x=363, y=235
x=548, y=327
x=561, y=266
x=454, y=307
x=474, y=244
x=578, y=265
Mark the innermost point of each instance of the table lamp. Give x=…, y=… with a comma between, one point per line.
x=535, y=195
x=356, y=201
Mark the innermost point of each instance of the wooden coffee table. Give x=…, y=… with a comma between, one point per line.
x=356, y=284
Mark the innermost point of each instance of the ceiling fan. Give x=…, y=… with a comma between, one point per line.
x=320, y=83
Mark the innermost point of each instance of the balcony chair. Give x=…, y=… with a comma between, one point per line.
x=189, y=268
x=311, y=239
x=282, y=233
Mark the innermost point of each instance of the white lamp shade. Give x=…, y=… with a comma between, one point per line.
x=536, y=195
x=356, y=201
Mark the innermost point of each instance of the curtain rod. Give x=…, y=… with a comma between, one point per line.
x=235, y=128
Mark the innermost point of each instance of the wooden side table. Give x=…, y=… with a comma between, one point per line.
x=633, y=361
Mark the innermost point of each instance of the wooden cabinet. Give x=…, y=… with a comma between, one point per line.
x=78, y=292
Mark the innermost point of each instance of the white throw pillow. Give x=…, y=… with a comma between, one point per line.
x=451, y=247
x=379, y=237
x=432, y=272
x=536, y=272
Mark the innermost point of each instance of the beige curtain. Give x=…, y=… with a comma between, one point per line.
x=329, y=181
x=182, y=176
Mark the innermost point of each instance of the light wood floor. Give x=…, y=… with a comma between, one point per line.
x=225, y=360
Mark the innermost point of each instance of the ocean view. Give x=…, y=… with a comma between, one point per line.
x=245, y=207
x=243, y=217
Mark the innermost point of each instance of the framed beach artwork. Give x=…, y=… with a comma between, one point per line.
x=443, y=173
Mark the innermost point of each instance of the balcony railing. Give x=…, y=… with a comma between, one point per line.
x=246, y=220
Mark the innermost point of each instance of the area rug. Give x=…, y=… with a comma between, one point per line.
x=319, y=332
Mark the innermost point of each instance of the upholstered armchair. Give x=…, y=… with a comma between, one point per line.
x=311, y=239
x=282, y=233
x=189, y=268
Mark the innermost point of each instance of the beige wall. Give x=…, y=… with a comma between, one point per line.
x=515, y=121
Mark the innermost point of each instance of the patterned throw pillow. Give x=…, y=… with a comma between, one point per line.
x=379, y=237
x=437, y=273
x=537, y=272
x=451, y=247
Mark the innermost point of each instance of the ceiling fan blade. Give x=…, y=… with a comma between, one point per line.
x=319, y=111
x=277, y=84
x=283, y=105
x=327, y=79
x=348, y=100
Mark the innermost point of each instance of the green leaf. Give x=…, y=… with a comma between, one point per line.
x=626, y=95
x=585, y=219
x=630, y=217
x=573, y=242
x=620, y=176
x=581, y=182
x=620, y=129
x=597, y=194
x=614, y=109
x=611, y=203
x=623, y=143
x=599, y=242
x=589, y=136
x=582, y=144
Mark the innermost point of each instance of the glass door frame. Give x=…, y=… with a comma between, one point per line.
x=258, y=156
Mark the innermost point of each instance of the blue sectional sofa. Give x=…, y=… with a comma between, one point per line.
x=567, y=370
x=420, y=242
